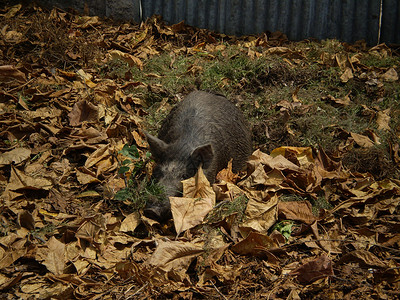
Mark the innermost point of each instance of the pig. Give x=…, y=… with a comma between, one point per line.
x=205, y=129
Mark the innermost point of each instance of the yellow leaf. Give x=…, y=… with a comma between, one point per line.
x=303, y=155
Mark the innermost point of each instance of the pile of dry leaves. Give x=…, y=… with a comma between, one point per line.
x=64, y=236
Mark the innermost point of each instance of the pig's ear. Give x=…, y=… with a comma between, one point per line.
x=157, y=146
x=203, y=155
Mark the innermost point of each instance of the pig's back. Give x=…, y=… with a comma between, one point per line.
x=203, y=118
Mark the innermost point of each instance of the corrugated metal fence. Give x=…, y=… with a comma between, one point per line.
x=346, y=20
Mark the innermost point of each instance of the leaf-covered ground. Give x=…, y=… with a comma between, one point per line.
x=315, y=215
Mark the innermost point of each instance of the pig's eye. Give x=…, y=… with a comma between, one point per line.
x=190, y=171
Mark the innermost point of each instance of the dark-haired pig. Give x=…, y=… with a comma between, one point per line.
x=203, y=130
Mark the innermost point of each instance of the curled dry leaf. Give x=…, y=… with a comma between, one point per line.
x=297, y=210
x=271, y=179
x=364, y=258
x=303, y=155
x=227, y=175
x=83, y=111
x=129, y=58
x=101, y=158
x=8, y=73
x=341, y=102
x=227, y=191
x=278, y=51
x=313, y=270
x=254, y=244
x=86, y=177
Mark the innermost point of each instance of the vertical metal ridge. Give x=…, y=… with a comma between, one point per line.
x=390, y=21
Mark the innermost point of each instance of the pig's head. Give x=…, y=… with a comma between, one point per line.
x=176, y=162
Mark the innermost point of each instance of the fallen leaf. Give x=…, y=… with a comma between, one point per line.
x=261, y=215
x=26, y=220
x=390, y=75
x=87, y=78
x=87, y=21
x=198, y=187
x=175, y=257
x=254, y=244
x=278, y=51
x=85, y=178
x=347, y=75
x=13, y=37
x=130, y=222
x=129, y=58
x=259, y=177
x=227, y=175
x=52, y=255
x=297, y=210
x=313, y=270
x=12, y=11
x=189, y=212
x=83, y=111
x=340, y=102
x=19, y=181
x=383, y=119
x=303, y=155
x=362, y=140
x=8, y=73
x=364, y=258
x=15, y=156
x=295, y=98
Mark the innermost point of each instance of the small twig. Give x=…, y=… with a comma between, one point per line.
x=222, y=295
x=380, y=22
x=138, y=291
x=20, y=86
